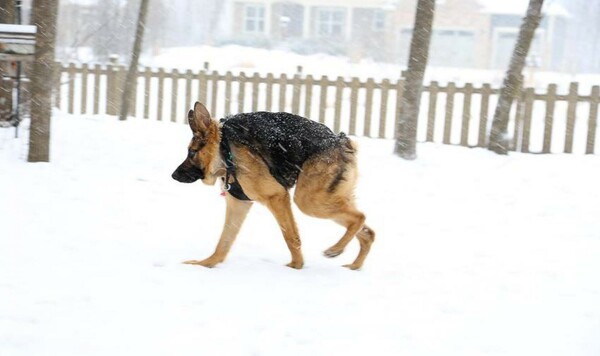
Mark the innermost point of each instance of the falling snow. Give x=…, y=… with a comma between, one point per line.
x=476, y=254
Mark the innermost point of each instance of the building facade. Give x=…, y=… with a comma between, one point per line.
x=467, y=33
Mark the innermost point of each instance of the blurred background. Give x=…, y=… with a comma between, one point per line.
x=469, y=34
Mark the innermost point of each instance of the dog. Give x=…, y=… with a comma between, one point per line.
x=259, y=157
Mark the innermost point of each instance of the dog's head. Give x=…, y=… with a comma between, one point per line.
x=203, y=149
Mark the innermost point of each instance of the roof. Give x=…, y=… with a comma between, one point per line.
x=519, y=7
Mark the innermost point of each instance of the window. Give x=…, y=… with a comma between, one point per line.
x=378, y=20
x=331, y=22
x=448, y=48
x=504, y=43
x=254, y=18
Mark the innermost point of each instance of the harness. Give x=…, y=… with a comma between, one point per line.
x=234, y=188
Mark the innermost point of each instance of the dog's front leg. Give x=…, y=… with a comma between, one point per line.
x=236, y=213
x=281, y=208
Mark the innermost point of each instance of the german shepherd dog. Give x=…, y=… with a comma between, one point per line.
x=259, y=156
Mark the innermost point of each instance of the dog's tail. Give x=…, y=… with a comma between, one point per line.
x=350, y=147
x=346, y=152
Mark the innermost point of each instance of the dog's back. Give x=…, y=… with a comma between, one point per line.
x=283, y=140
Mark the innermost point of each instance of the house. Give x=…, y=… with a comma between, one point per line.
x=548, y=47
x=460, y=37
x=467, y=33
x=326, y=25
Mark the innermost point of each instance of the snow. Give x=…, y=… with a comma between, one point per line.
x=250, y=60
x=476, y=254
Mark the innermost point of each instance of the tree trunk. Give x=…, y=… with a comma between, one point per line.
x=44, y=17
x=131, y=79
x=7, y=11
x=7, y=15
x=514, y=78
x=406, y=132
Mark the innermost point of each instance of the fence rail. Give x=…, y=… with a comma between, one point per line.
x=461, y=115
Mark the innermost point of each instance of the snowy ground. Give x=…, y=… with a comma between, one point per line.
x=250, y=60
x=476, y=254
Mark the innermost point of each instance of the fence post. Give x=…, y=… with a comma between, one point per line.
x=282, y=91
x=188, y=92
x=111, y=87
x=339, y=91
x=486, y=90
x=296, y=91
x=97, y=76
x=385, y=87
x=369, y=86
x=308, y=96
x=529, y=96
x=323, y=98
x=354, y=87
x=121, y=77
x=549, y=120
x=433, y=92
x=450, y=90
x=202, y=87
x=571, y=111
x=593, y=119
x=214, y=93
x=71, y=88
x=174, y=94
x=466, y=116
x=161, y=85
x=84, y=87
x=255, y=91
x=270, y=81
x=242, y=92
x=147, y=85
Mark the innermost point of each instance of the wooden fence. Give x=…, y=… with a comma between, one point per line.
x=540, y=122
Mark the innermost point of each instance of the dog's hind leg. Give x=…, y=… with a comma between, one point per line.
x=325, y=189
x=281, y=208
x=345, y=214
x=236, y=213
x=352, y=220
x=365, y=236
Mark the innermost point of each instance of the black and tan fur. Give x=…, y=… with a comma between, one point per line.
x=325, y=184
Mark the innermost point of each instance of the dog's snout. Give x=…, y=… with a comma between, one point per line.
x=187, y=173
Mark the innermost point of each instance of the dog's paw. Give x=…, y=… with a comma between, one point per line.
x=353, y=266
x=208, y=263
x=295, y=264
x=332, y=252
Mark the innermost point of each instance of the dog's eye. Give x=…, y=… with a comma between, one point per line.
x=192, y=154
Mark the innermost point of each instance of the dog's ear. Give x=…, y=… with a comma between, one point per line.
x=199, y=118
